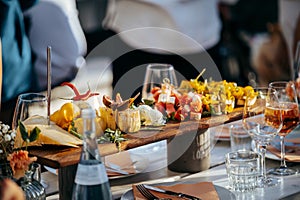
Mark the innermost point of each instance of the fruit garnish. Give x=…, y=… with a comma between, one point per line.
x=64, y=116
x=79, y=96
x=118, y=104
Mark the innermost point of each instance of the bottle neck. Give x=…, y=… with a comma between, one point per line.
x=90, y=146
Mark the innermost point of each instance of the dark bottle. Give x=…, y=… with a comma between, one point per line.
x=91, y=181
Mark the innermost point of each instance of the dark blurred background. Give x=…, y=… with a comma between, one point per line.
x=242, y=22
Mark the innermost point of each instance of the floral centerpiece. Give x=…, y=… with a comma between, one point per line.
x=18, y=158
x=7, y=141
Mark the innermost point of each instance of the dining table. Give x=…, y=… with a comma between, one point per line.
x=151, y=158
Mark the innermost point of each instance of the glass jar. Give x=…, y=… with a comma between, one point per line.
x=33, y=189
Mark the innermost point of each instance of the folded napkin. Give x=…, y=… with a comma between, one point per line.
x=202, y=190
x=292, y=153
x=121, y=159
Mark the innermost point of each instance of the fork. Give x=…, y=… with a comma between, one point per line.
x=148, y=195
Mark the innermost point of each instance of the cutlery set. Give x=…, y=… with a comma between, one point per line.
x=144, y=190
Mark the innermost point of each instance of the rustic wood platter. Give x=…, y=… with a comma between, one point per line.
x=57, y=156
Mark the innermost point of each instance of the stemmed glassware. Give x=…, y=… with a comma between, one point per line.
x=156, y=75
x=287, y=96
x=31, y=106
x=262, y=119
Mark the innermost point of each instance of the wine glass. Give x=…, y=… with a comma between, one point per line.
x=156, y=75
x=262, y=119
x=30, y=106
x=287, y=96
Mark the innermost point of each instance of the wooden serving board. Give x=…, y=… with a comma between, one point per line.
x=57, y=157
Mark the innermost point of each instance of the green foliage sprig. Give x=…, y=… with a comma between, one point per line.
x=113, y=136
x=26, y=136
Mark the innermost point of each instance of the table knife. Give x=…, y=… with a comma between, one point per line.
x=122, y=172
x=115, y=168
x=178, y=194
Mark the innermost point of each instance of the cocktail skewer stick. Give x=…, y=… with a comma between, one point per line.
x=48, y=83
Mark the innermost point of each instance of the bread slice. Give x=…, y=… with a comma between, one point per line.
x=50, y=134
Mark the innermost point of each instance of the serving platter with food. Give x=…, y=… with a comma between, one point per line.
x=192, y=106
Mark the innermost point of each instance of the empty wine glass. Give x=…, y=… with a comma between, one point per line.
x=156, y=75
x=31, y=106
x=263, y=121
x=287, y=96
x=31, y=109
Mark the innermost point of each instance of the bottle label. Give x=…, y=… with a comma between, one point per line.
x=91, y=174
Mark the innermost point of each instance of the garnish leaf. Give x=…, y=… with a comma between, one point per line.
x=34, y=134
x=113, y=136
x=23, y=131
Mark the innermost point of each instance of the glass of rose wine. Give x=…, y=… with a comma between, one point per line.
x=262, y=120
x=287, y=96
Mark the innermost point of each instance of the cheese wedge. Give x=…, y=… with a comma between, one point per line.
x=50, y=134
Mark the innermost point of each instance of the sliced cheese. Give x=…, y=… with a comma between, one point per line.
x=50, y=134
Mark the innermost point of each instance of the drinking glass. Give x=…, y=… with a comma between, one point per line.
x=30, y=106
x=239, y=138
x=156, y=75
x=287, y=96
x=263, y=121
x=242, y=168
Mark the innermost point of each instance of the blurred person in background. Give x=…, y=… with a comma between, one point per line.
x=18, y=73
x=26, y=34
x=273, y=56
x=55, y=23
x=245, y=29
x=289, y=19
x=179, y=32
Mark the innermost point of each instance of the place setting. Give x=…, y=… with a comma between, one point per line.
x=178, y=190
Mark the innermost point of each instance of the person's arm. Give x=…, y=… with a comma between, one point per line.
x=67, y=42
